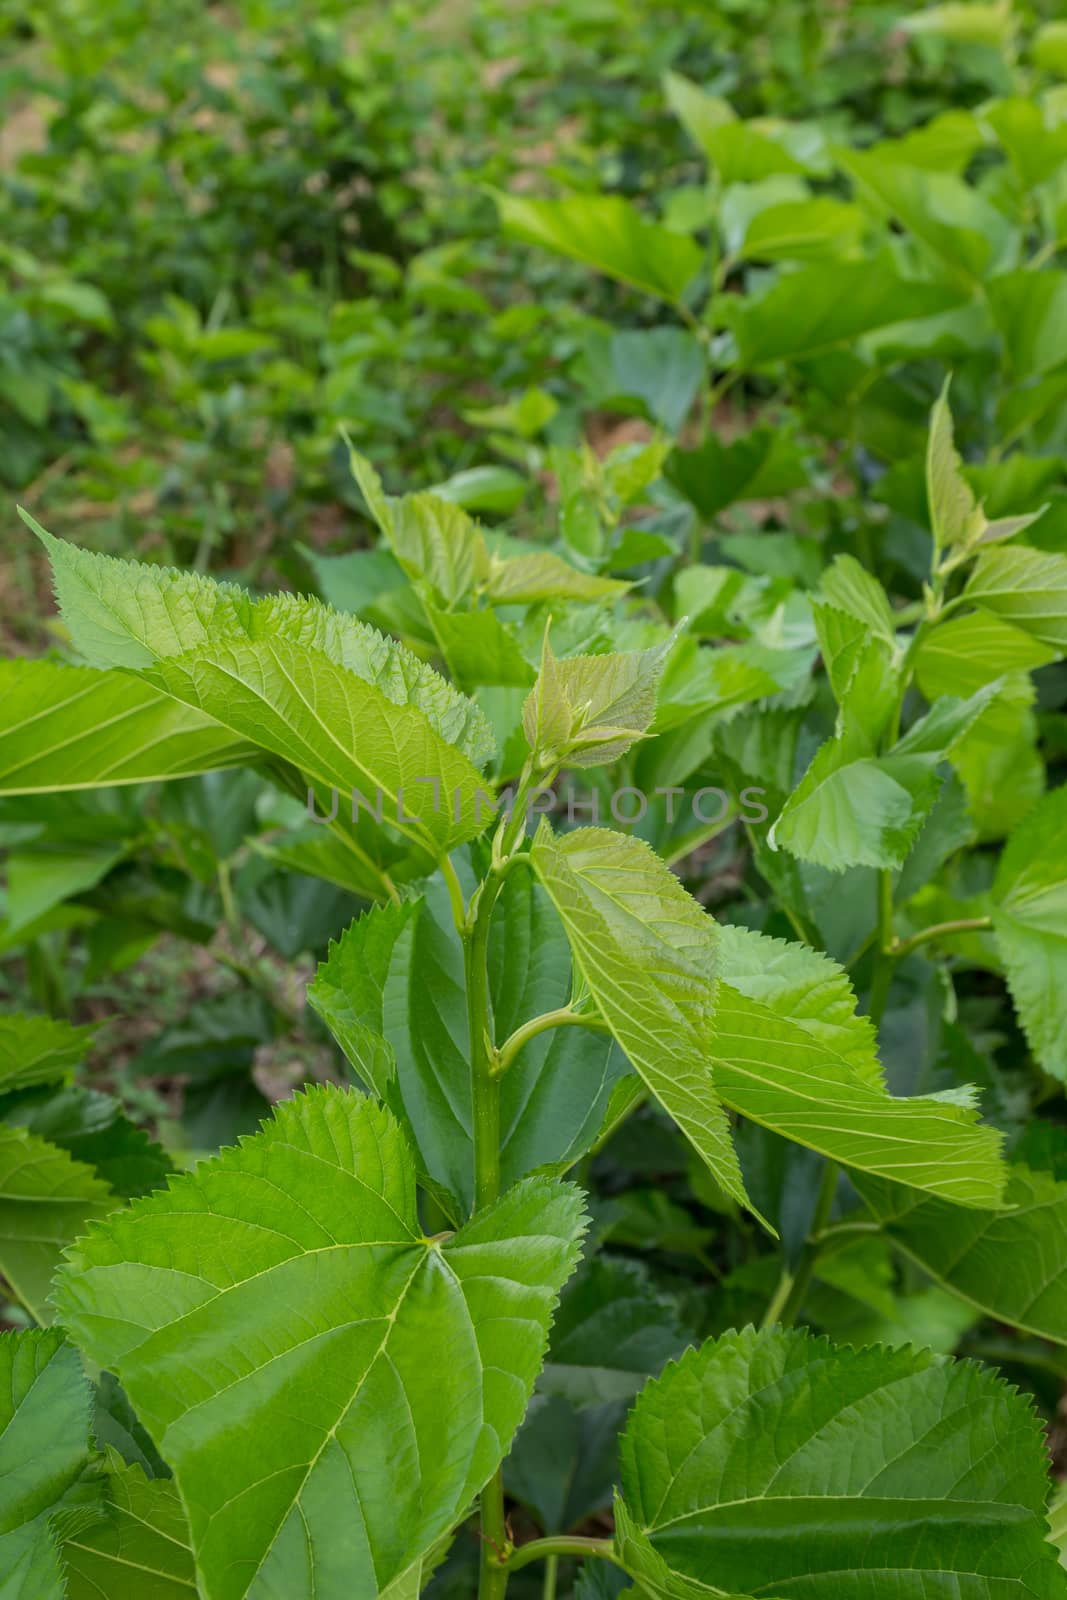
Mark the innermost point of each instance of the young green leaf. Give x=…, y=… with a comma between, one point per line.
x=855, y=808
x=764, y=1463
x=75, y=728
x=140, y=1548
x=479, y=649
x=1011, y=1264
x=964, y=653
x=1030, y=922
x=124, y=614
x=340, y=732
x=738, y=151
x=955, y=515
x=587, y=711
x=46, y=1200
x=804, y=985
x=308, y=1235
x=610, y=235
x=776, y=1071
x=37, y=1050
x=433, y=539
x=852, y=589
x=524, y=580
x=45, y=1405
x=966, y=234
x=1025, y=587
x=647, y=952
x=966, y=22
x=832, y=303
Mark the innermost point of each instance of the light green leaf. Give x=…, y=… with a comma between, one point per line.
x=852, y=589
x=1048, y=48
x=999, y=761
x=479, y=649
x=74, y=728
x=124, y=614
x=587, y=711
x=946, y=143
x=270, y=1318
x=1030, y=309
x=832, y=303
x=739, y=151
x=140, y=1549
x=864, y=672
x=963, y=654
x=610, y=235
x=955, y=515
x=700, y=113
x=46, y=1200
x=803, y=230
x=523, y=580
x=1025, y=587
x=776, y=1070
x=487, y=488
x=38, y=1049
x=965, y=22
x=853, y=808
x=45, y=1405
x=338, y=731
x=773, y=1464
x=1010, y=1264
x=1030, y=922
x=41, y=877
x=432, y=538
x=804, y=985
x=967, y=235
x=647, y=952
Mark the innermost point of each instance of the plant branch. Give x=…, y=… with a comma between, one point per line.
x=563, y=1017
x=560, y=1545
x=455, y=894
x=939, y=930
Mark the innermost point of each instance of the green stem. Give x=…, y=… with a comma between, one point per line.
x=563, y=1017
x=548, y=1592
x=940, y=930
x=776, y=1304
x=793, y=1287
x=455, y=893
x=485, y=1105
x=485, y=1077
x=229, y=904
x=884, y=960
x=560, y=1545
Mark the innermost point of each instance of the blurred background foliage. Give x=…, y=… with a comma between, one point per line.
x=226, y=230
